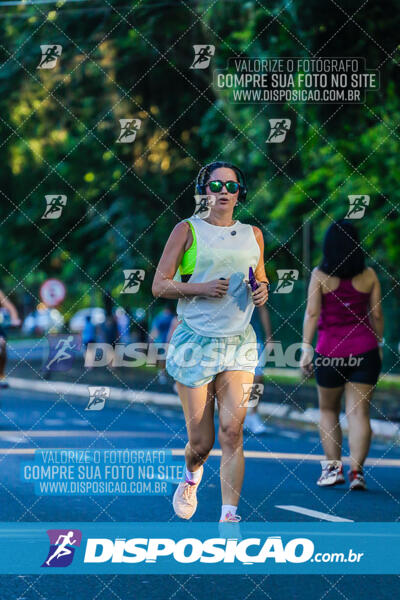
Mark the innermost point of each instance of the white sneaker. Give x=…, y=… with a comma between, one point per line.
x=332, y=473
x=254, y=424
x=185, y=498
x=357, y=480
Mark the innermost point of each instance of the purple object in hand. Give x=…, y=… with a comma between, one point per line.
x=252, y=280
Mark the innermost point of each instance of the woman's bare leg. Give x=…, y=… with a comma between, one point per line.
x=229, y=391
x=329, y=425
x=198, y=408
x=358, y=397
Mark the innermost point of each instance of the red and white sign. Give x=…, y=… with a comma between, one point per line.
x=52, y=292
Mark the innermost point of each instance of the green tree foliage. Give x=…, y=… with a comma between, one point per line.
x=131, y=59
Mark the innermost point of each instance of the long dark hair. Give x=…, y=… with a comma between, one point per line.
x=342, y=253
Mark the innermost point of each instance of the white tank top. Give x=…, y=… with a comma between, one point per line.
x=221, y=252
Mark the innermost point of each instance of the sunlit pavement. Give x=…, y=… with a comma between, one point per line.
x=281, y=469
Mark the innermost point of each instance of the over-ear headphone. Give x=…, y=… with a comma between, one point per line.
x=205, y=171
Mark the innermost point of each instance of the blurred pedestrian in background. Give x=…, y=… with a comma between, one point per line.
x=88, y=332
x=88, y=337
x=159, y=329
x=344, y=302
x=123, y=323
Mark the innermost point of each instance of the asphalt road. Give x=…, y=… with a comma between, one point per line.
x=29, y=420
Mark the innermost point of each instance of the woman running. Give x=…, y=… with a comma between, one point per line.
x=215, y=304
x=344, y=302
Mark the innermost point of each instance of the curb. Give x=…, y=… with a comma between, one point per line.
x=275, y=412
x=310, y=417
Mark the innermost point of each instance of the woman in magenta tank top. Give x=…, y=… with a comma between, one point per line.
x=344, y=306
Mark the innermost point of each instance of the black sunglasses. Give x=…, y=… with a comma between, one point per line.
x=217, y=185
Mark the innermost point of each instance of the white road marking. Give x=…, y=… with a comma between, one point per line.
x=59, y=433
x=270, y=409
x=17, y=439
x=290, y=434
x=376, y=462
x=81, y=389
x=8, y=436
x=315, y=513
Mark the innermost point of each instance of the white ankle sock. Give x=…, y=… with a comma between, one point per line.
x=228, y=508
x=193, y=475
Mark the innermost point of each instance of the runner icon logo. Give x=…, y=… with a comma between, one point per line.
x=133, y=279
x=287, y=277
x=62, y=352
x=203, y=205
x=63, y=543
x=279, y=129
x=202, y=56
x=357, y=206
x=50, y=54
x=54, y=206
x=252, y=393
x=97, y=397
x=129, y=128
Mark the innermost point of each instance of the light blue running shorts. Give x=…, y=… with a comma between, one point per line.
x=195, y=360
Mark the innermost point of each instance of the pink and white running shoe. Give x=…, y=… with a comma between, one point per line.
x=185, y=498
x=230, y=518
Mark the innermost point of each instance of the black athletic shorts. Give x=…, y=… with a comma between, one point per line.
x=361, y=368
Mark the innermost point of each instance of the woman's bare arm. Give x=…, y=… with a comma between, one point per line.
x=260, y=296
x=313, y=308
x=260, y=273
x=375, y=308
x=8, y=305
x=164, y=285
x=311, y=316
